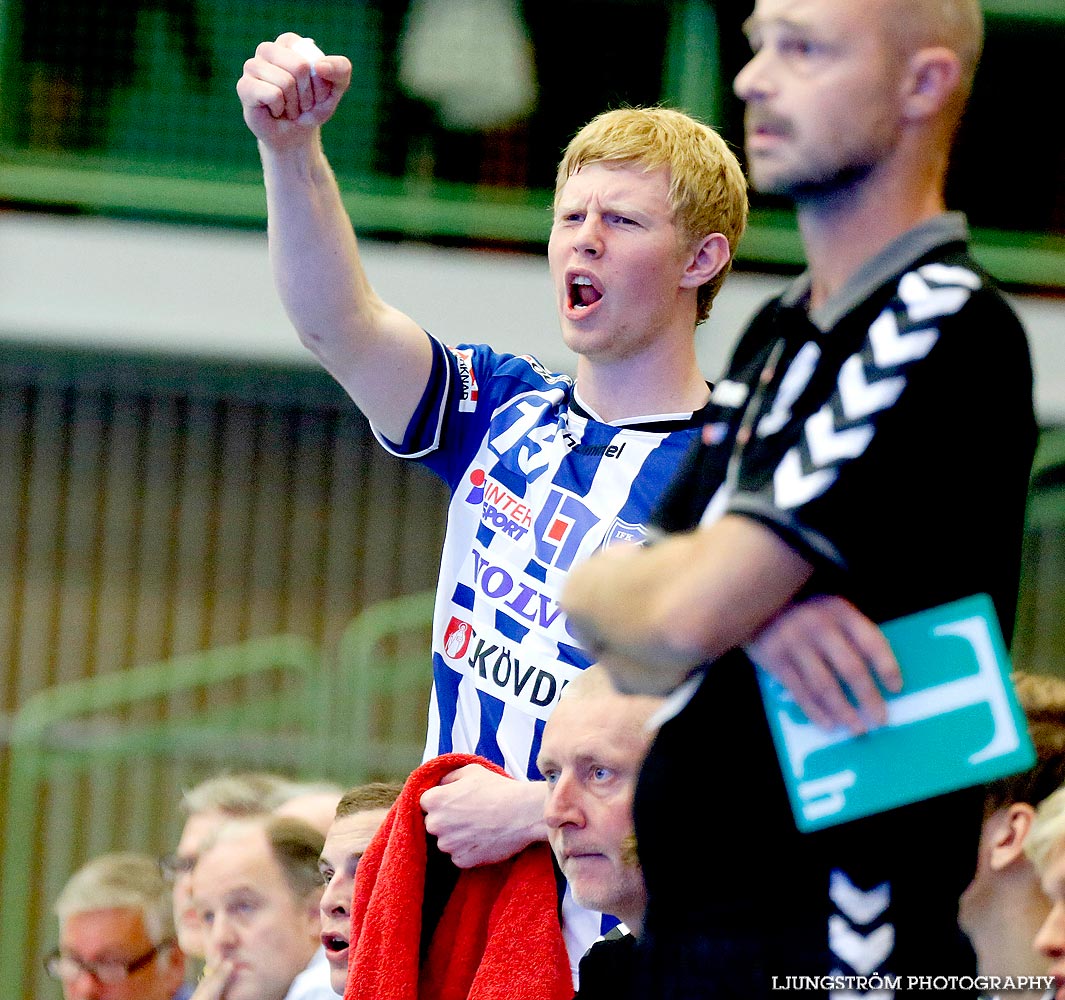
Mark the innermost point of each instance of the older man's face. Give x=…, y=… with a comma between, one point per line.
x=254, y=924
x=591, y=755
x=92, y=942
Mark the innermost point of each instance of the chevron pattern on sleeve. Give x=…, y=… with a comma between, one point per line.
x=871, y=381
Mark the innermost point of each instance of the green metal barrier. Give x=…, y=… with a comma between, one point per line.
x=257, y=704
x=383, y=678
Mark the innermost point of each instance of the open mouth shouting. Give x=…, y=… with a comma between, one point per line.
x=583, y=292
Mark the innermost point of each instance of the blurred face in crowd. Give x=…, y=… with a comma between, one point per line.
x=345, y=844
x=198, y=828
x=254, y=924
x=108, y=955
x=314, y=808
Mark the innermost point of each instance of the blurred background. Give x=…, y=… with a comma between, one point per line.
x=205, y=563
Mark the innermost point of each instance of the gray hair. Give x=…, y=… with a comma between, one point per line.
x=121, y=881
x=251, y=793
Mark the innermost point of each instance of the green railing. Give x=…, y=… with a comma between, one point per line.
x=253, y=705
x=274, y=704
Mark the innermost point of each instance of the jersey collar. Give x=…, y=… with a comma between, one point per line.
x=896, y=257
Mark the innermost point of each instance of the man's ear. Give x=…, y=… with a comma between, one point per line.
x=933, y=76
x=707, y=260
x=1009, y=834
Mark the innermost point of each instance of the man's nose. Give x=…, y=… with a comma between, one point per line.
x=588, y=239
x=84, y=986
x=336, y=900
x=753, y=82
x=563, y=804
x=1050, y=939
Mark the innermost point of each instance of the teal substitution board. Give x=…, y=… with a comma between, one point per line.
x=955, y=723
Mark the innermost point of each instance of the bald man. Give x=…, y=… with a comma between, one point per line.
x=846, y=453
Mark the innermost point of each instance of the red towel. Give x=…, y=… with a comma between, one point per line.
x=498, y=938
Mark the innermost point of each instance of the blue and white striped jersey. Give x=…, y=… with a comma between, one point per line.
x=538, y=484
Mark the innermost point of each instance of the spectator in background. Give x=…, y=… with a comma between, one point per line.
x=359, y=814
x=315, y=802
x=116, y=933
x=593, y=746
x=256, y=888
x=1045, y=848
x=1004, y=906
x=206, y=807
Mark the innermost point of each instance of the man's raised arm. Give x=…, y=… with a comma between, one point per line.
x=377, y=353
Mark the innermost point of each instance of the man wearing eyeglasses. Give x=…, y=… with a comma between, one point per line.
x=116, y=933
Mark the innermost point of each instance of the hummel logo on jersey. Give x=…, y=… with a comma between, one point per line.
x=606, y=450
x=870, y=381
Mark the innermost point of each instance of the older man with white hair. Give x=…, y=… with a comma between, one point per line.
x=116, y=933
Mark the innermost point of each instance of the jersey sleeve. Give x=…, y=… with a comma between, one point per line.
x=466, y=385
x=889, y=457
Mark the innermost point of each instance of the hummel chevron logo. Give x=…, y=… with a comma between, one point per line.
x=859, y=907
x=870, y=381
x=795, y=379
x=860, y=397
x=792, y=487
x=949, y=274
x=891, y=347
x=924, y=302
x=828, y=445
x=864, y=953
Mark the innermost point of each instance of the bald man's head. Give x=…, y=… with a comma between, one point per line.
x=957, y=25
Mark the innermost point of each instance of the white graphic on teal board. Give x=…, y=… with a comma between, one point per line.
x=955, y=723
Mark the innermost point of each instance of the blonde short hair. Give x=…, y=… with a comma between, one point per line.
x=707, y=187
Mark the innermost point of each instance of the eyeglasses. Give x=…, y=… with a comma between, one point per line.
x=69, y=967
x=173, y=865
